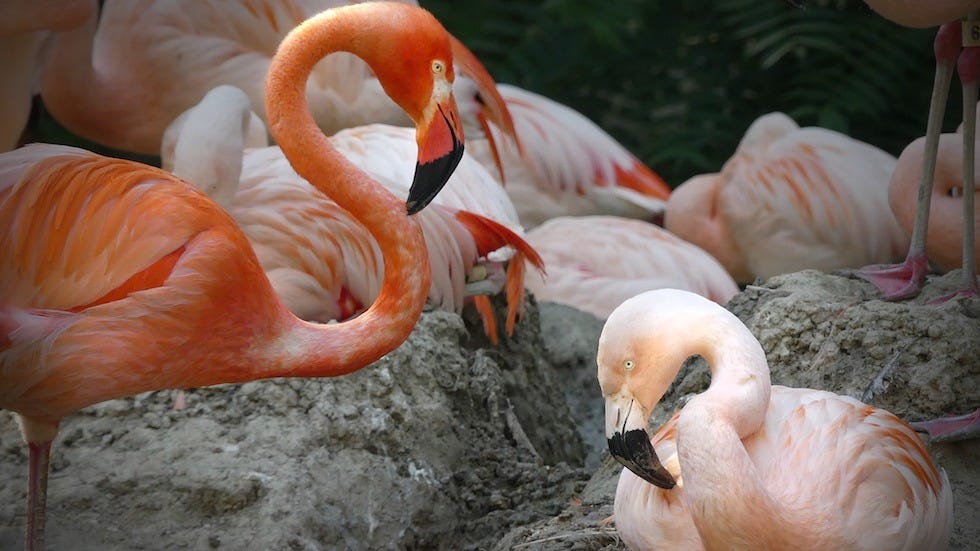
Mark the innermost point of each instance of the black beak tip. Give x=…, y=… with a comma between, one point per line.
x=430, y=178
x=634, y=451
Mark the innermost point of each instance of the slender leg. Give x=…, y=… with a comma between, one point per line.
x=899, y=281
x=968, y=66
x=39, y=458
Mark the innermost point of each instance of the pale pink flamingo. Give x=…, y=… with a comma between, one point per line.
x=747, y=465
x=157, y=58
x=944, y=237
x=564, y=164
x=117, y=265
x=321, y=261
x=914, y=13
x=24, y=25
x=596, y=262
x=791, y=198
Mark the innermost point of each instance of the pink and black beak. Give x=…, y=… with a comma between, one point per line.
x=440, y=144
x=633, y=450
x=629, y=441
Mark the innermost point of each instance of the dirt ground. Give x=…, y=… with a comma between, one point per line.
x=450, y=443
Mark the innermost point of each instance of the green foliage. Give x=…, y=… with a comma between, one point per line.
x=679, y=82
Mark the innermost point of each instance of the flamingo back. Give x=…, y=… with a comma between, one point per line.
x=596, y=262
x=794, y=198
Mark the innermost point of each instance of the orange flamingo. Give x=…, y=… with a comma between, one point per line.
x=747, y=465
x=157, y=58
x=564, y=164
x=117, y=265
x=791, y=198
x=596, y=262
x=321, y=261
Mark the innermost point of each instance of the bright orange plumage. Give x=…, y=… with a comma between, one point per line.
x=119, y=242
x=124, y=279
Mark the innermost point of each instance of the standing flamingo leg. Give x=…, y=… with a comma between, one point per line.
x=904, y=280
x=968, y=67
x=39, y=459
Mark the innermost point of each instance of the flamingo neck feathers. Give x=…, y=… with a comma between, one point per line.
x=731, y=506
x=336, y=349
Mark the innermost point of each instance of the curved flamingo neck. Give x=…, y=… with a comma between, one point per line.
x=722, y=488
x=336, y=349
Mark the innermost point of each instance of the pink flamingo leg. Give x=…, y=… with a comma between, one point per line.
x=948, y=429
x=39, y=458
x=899, y=281
x=968, y=67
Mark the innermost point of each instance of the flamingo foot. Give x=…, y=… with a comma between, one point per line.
x=952, y=428
x=897, y=281
x=967, y=291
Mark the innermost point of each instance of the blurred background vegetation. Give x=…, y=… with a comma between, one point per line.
x=678, y=83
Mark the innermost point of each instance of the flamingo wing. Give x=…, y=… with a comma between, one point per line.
x=805, y=434
x=597, y=262
x=886, y=462
x=95, y=244
x=566, y=159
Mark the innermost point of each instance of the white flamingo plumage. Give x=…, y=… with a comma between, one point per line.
x=596, y=262
x=747, y=465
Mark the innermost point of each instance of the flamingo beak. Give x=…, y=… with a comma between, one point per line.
x=440, y=142
x=629, y=442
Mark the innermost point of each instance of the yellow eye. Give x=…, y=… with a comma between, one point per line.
x=629, y=364
x=438, y=67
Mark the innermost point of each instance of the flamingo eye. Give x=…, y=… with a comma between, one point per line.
x=438, y=67
x=628, y=365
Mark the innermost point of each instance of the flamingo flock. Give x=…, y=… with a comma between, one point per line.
x=330, y=167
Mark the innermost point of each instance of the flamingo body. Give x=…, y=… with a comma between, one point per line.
x=746, y=465
x=24, y=26
x=125, y=279
x=152, y=255
x=944, y=236
x=791, y=198
x=912, y=13
x=158, y=58
x=596, y=262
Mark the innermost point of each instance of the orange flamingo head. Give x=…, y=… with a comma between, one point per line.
x=411, y=55
x=414, y=64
